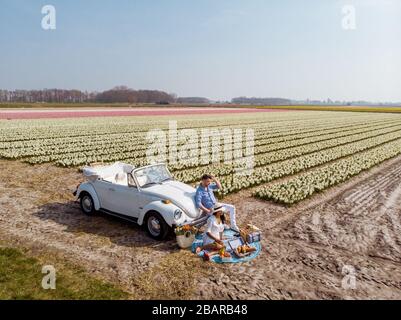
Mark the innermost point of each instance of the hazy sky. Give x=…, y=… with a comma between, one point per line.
x=214, y=48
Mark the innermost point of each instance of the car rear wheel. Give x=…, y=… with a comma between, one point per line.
x=156, y=227
x=87, y=204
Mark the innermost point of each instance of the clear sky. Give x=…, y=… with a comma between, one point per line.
x=219, y=49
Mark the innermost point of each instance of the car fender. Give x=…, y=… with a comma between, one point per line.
x=87, y=187
x=166, y=211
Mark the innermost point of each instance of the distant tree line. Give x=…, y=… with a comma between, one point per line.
x=192, y=100
x=46, y=95
x=261, y=101
x=123, y=94
x=120, y=94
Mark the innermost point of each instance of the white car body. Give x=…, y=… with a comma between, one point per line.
x=119, y=190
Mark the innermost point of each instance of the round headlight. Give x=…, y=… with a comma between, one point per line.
x=177, y=214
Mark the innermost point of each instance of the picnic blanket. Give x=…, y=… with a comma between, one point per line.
x=229, y=234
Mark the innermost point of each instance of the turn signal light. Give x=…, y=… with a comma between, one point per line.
x=166, y=201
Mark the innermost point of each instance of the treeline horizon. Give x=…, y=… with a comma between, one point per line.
x=123, y=94
x=119, y=94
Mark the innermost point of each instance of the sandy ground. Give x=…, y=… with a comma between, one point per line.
x=341, y=244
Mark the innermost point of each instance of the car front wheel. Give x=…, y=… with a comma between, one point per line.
x=156, y=227
x=87, y=204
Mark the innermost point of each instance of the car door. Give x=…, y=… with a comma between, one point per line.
x=105, y=191
x=125, y=200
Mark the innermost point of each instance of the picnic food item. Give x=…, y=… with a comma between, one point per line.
x=224, y=255
x=244, y=249
x=250, y=233
x=252, y=227
x=250, y=249
x=253, y=237
x=206, y=256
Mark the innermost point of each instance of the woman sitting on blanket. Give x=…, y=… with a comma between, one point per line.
x=213, y=236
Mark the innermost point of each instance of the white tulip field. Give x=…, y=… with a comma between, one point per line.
x=312, y=150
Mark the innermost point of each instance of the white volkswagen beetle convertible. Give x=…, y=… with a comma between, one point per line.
x=147, y=195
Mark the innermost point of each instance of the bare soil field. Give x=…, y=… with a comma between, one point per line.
x=309, y=250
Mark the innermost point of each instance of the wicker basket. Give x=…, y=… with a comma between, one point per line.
x=186, y=240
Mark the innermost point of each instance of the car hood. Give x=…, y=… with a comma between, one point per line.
x=181, y=194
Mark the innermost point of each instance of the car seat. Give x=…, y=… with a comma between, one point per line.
x=121, y=179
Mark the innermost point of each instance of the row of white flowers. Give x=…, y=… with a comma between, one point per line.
x=94, y=133
x=285, y=144
x=19, y=130
x=306, y=184
x=296, y=165
x=132, y=147
x=135, y=151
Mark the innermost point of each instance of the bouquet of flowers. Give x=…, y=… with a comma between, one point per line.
x=185, y=235
x=185, y=230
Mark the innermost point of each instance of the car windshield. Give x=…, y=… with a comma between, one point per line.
x=152, y=175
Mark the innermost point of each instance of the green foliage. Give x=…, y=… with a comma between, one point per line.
x=21, y=278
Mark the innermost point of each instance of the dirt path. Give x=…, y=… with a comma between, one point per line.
x=313, y=250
